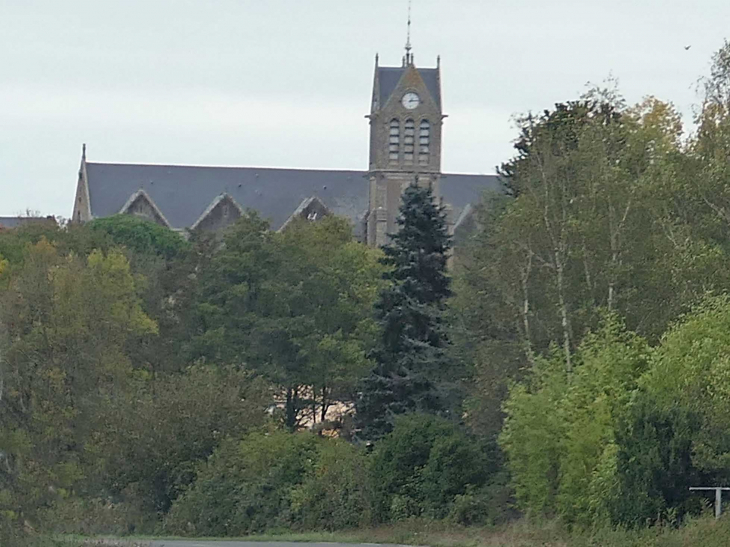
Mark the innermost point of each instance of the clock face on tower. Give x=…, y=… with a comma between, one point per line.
x=411, y=100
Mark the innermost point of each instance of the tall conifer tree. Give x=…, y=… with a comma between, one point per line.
x=410, y=357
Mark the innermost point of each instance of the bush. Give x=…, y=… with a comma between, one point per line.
x=155, y=437
x=246, y=487
x=337, y=495
x=489, y=505
x=91, y=517
x=425, y=466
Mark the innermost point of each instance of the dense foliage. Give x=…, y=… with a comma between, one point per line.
x=586, y=301
x=411, y=360
x=426, y=467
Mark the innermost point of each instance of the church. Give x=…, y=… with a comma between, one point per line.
x=406, y=126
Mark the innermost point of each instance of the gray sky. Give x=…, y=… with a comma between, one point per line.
x=286, y=83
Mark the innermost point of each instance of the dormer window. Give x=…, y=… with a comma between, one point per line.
x=424, y=142
x=394, y=140
x=409, y=141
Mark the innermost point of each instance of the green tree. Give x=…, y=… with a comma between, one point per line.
x=653, y=468
x=411, y=357
x=675, y=432
x=66, y=322
x=140, y=235
x=559, y=434
x=601, y=219
x=153, y=438
x=293, y=306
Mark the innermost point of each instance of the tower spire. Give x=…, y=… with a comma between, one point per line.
x=408, y=59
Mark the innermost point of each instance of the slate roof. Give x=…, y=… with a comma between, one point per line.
x=459, y=190
x=183, y=193
x=388, y=78
x=14, y=222
x=10, y=222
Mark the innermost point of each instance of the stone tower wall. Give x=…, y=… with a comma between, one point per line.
x=389, y=176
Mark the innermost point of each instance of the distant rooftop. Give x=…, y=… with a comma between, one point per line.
x=14, y=222
x=182, y=193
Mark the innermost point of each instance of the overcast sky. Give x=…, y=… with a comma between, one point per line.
x=286, y=83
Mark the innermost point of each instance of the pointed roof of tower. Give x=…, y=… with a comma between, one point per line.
x=388, y=77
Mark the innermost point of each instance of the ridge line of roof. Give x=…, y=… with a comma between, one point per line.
x=224, y=166
x=403, y=67
x=310, y=169
x=470, y=174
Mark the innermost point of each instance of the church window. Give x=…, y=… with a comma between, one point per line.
x=394, y=141
x=409, y=141
x=424, y=142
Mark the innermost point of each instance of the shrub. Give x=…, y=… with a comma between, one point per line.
x=90, y=517
x=424, y=465
x=488, y=505
x=337, y=495
x=246, y=486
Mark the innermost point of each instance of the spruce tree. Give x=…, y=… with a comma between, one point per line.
x=410, y=357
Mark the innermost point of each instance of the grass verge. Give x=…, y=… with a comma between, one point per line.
x=524, y=533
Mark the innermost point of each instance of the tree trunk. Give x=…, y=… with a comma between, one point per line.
x=290, y=417
x=526, y=308
x=615, y=241
x=325, y=404
x=564, y=318
x=555, y=218
x=587, y=271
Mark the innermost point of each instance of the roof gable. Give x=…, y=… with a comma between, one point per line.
x=388, y=79
x=140, y=204
x=312, y=209
x=222, y=212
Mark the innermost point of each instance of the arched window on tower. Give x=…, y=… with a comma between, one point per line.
x=394, y=140
x=424, y=142
x=409, y=141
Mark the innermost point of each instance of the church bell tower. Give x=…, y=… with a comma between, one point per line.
x=405, y=139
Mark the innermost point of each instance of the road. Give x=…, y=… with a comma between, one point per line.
x=200, y=543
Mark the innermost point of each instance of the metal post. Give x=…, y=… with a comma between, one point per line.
x=718, y=496
x=718, y=502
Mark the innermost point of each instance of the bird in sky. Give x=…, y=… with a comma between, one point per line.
x=686, y=48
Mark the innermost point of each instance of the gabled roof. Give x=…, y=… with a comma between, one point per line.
x=140, y=196
x=217, y=202
x=459, y=190
x=183, y=193
x=388, y=78
x=309, y=203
